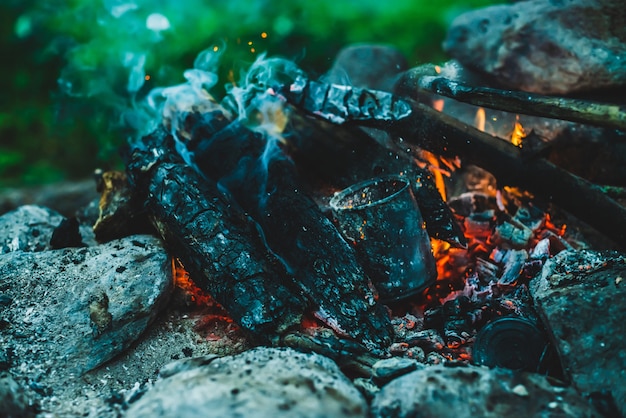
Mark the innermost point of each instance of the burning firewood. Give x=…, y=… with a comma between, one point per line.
x=216, y=242
x=340, y=156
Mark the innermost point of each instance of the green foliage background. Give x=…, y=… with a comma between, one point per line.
x=50, y=131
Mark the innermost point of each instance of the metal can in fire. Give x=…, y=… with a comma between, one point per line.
x=381, y=219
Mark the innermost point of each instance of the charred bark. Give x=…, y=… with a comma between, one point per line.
x=324, y=265
x=219, y=245
x=574, y=110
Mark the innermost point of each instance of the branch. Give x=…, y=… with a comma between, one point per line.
x=574, y=110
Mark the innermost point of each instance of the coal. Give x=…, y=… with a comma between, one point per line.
x=67, y=234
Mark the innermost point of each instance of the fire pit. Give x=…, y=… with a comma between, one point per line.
x=315, y=238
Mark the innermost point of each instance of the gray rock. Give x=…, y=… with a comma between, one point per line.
x=581, y=296
x=30, y=227
x=14, y=400
x=388, y=369
x=555, y=46
x=71, y=310
x=367, y=66
x=66, y=197
x=461, y=392
x=263, y=382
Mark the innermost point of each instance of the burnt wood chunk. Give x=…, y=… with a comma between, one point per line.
x=264, y=181
x=217, y=243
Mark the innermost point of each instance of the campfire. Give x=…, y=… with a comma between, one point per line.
x=385, y=228
x=486, y=248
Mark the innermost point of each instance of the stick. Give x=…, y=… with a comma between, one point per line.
x=574, y=110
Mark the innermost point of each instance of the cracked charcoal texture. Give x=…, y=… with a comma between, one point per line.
x=217, y=243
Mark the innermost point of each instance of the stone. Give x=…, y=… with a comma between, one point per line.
x=388, y=369
x=549, y=47
x=367, y=66
x=14, y=400
x=71, y=310
x=581, y=298
x=466, y=392
x=263, y=382
x=30, y=228
x=65, y=197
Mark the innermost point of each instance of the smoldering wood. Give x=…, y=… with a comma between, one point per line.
x=443, y=135
x=338, y=156
x=563, y=108
x=218, y=244
x=324, y=265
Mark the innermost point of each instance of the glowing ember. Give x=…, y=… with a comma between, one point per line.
x=438, y=105
x=185, y=283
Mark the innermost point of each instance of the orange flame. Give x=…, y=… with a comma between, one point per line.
x=518, y=133
x=480, y=119
x=437, y=171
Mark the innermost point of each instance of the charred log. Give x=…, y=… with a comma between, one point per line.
x=324, y=265
x=574, y=110
x=443, y=134
x=220, y=246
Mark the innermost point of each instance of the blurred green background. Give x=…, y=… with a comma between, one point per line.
x=66, y=65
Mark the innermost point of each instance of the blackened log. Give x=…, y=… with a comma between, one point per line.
x=342, y=155
x=443, y=134
x=563, y=108
x=446, y=136
x=219, y=246
x=324, y=265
